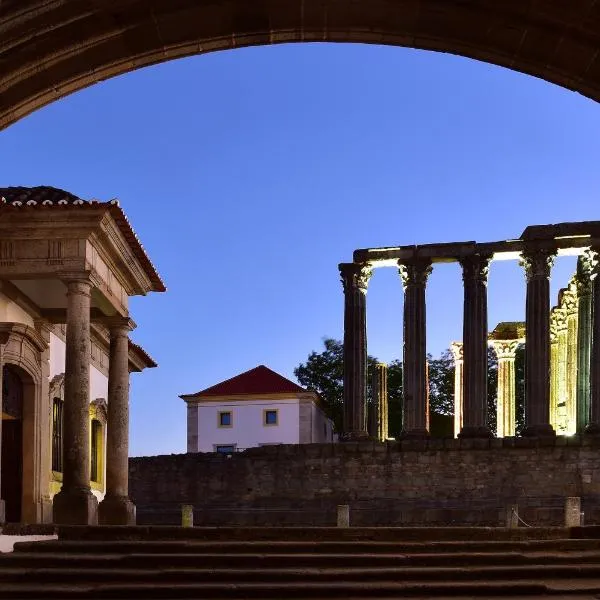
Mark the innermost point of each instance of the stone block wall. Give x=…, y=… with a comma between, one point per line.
x=434, y=482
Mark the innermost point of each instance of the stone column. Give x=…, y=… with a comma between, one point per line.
x=457, y=353
x=380, y=403
x=75, y=504
x=475, y=339
x=117, y=508
x=414, y=276
x=593, y=427
x=506, y=402
x=3, y=341
x=537, y=263
x=561, y=379
x=572, y=316
x=554, y=370
x=355, y=278
x=585, y=265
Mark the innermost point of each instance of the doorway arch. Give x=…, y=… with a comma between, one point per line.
x=13, y=390
x=50, y=49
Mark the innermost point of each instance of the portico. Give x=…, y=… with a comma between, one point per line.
x=67, y=269
x=535, y=250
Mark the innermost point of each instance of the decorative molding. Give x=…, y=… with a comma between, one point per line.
x=7, y=253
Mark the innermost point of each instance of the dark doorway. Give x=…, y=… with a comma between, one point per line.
x=12, y=444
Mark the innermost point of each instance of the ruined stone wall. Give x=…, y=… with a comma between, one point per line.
x=437, y=482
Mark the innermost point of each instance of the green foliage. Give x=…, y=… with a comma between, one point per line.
x=324, y=373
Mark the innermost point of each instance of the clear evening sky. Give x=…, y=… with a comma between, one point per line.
x=250, y=174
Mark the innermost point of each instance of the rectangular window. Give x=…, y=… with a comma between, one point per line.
x=57, y=435
x=225, y=419
x=230, y=449
x=270, y=417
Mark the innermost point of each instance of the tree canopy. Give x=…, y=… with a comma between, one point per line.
x=323, y=372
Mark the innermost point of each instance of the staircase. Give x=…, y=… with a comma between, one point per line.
x=301, y=563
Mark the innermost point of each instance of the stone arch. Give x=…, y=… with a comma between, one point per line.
x=26, y=351
x=79, y=43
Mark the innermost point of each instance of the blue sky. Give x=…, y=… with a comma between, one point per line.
x=250, y=174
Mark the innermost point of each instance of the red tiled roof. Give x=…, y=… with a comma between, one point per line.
x=48, y=197
x=260, y=380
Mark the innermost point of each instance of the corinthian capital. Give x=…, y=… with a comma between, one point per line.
x=587, y=269
x=457, y=351
x=355, y=276
x=537, y=263
x=415, y=272
x=505, y=349
x=476, y=267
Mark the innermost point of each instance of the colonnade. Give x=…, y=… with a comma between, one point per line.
x=75, y=503
x=537, y=260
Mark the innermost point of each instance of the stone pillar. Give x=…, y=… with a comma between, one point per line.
x=75, y=504
x=475, y=339
x=355, y=278
x=572, y=317
x=457, y=353
x=3, y=341
x=537, y=263
x=414, y=276
x=561, y=379
x=585, y=265
x=379, y=417
x=506, y=402
x=593, y=427
x=554, y=371
x=117, y=508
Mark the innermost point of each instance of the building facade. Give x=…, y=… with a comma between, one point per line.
x=67, y=270
x=256, y=408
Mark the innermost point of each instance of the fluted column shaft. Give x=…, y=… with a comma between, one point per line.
x=594, y=423
x=355, y=278
x=475, y=333
x=414, y=277
x=457, y=353
x=380, y=403
x=585, y=265
x=75, y=503
x=537, y=265
x=506, y=398
x=116, y=508
x=554, y=372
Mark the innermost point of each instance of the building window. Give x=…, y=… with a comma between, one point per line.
x=270, y=417
x=227, y=449
x=57, y=435
x=225, y=419
x=95, y=450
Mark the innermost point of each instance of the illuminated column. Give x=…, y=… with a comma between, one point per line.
x=593, y=427
x=554, y=381
x=475, y=343
x=537, y=263
x=561, y=380
x=457, y=352
x=355, y=278
x=506, y=400
x=585, y=265
x=75, y=504
x=571, y=308
x=414, y=276
x=380, y=403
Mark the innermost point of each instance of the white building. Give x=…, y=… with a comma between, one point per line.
x=256, y=408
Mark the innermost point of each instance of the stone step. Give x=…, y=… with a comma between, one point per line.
x=379, y=589
x=96, y=576
x=294, y=560
x=407, y=534
x=301, y=547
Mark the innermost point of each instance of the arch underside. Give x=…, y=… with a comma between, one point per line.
x=51, y=48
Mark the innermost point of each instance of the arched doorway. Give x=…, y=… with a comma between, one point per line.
x=12, y=443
